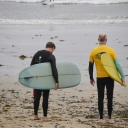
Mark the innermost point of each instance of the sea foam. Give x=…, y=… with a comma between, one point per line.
x=74, y=1
x=63, y=22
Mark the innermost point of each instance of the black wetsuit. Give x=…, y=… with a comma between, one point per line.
x=101, y=83
x=41, y=57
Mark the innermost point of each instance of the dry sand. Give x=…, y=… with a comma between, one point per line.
x=68, y=108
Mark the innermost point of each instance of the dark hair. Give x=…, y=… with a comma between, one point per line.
x=50, y=45
x=102, y=38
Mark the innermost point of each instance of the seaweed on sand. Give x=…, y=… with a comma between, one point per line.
x=22, y=57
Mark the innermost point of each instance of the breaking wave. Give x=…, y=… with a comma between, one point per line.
x=63, y=22
x=74, y=1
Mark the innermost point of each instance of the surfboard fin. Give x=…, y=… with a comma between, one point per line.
x=28, y=77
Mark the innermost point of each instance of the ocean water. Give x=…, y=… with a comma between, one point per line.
x=74, y=1
x=77, y=22
x=64, y=12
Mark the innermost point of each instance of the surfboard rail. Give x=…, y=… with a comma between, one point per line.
x=110, y=67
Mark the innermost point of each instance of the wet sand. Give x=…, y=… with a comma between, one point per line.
x=68, y=108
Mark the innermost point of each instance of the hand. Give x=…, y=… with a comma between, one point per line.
x=92, y=82
x=56, y=86
x=123, y=81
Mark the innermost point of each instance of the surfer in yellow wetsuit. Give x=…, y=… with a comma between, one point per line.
x=103, y=78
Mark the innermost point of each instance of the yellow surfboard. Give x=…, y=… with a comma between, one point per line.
x=110, y=67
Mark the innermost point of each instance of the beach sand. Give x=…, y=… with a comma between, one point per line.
x=68, y=108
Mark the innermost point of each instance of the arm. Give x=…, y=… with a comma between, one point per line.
x=118, y=66
x=91, y=69
x=54, y=70
x=91, y=72
x=33, y=61
x=120, y=70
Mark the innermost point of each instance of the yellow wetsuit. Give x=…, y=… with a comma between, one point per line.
x=95, y=57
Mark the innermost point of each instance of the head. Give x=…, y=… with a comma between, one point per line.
x=50, y=46
x=102, y=38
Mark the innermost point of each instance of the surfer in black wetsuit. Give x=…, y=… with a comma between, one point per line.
x=41, y=57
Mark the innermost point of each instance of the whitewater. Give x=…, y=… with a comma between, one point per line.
x=62, y=12
x=75, y=1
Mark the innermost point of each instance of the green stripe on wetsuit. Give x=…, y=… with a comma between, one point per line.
x=119, y=68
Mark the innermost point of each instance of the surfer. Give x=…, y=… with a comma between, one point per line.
x=41, y=57
x=102, y=77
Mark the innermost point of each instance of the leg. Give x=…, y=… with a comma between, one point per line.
x=100, y=88
x=36, y=102
x=110, y=88
x=45, y=101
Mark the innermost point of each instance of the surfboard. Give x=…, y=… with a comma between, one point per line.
x=110, y=67
x=39, y=76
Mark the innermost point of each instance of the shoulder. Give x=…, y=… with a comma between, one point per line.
x=97, y=47
x=93, y=50
x=52, y=57
x=38, y=52
x=112, y=52
x=110, y=48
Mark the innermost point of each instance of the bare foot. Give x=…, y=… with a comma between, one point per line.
x=110, y=121
x=46, y=118
x=36, y=117
x=100, y=121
